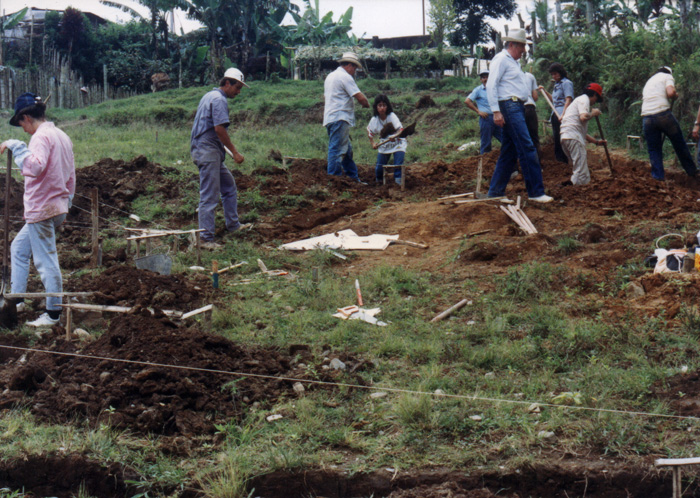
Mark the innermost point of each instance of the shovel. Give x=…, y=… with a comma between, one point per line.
x=8, y=307
x=409, y=130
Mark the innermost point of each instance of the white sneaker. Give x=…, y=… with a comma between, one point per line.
x=542, y=199
x=43, y=321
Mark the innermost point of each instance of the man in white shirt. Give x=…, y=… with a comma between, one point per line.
x=339, y=90
x=507, y=92
x=574, y=132
x=659, y=121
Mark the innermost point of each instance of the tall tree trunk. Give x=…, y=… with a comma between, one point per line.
x=684, y=8
x=560, y=21
x=154, y=40
x=589, y=16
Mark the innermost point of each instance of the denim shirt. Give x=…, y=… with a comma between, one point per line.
x=562, y=89
x=479, y=97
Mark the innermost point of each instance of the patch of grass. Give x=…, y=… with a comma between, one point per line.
x=568, y=245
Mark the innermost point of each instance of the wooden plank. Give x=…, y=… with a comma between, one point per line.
x=162, y=234
x=224, y=270
x=478, y=176
x=671, y=462
x=114, y=309
x=31, y=295
x=468, y=194
x=519, y=216
x=192, y=313
x=95, y=217
x=512, y=217
x=409, y=243
x=481, y=200
x=450, y=310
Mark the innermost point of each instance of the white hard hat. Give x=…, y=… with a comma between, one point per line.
x=235, y=74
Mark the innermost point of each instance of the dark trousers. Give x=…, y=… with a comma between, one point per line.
x=558, y=151
x=655, y=127
x=532, y=127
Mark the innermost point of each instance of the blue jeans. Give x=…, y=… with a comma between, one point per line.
x=37, y=241
x=215, y=180
x=516, y=145
x=340, y=150
x=655, y=127
x=488, y=129
x=383, y=159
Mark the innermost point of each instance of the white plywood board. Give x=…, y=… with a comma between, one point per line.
x=345, y=239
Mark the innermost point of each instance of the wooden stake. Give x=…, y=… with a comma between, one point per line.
x=215, y=274
x=607, y=154
x=478, y=176
x=450, y=310
x=69, y=323
x=409, y=243
x=480, y=200
x=95, y=211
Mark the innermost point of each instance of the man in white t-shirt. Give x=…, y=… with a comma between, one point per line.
x=574, y=132
x=339, y=90
x=659, y=121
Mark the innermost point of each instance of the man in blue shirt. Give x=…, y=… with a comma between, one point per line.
x=507, y=92
x=479, y=103
x=208, y=143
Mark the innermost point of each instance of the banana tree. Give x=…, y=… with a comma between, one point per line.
x=316, y=31
x=9, y=22
x=158, y=11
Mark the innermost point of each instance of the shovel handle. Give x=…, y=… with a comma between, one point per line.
x=550, y=104
x=6, y=221
x=602, y=137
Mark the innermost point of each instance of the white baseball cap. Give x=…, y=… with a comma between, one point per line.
x=235, y=74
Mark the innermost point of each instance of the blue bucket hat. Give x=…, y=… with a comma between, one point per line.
x=23, y=101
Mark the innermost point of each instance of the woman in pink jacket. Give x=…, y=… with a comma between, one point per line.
x=48, y=168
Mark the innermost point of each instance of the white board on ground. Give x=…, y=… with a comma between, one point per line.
x=345, y=239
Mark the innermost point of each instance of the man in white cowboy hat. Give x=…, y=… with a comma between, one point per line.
x=507, y=91
x=339, y=91
x=207, y=142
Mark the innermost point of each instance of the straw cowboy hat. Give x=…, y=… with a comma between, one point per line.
x=517, y=36
x=350, y=57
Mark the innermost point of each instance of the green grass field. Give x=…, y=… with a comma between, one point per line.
x=523, y=339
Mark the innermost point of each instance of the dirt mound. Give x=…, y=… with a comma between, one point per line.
x=425, y=102
x=124, y=285
x=65, y=477
x=148, y=398
x=120, y=182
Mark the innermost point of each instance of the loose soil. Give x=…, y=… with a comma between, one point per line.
x=302, y=201
x=149, y=398
x=563, y=479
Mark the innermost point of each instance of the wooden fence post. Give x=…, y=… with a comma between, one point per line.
x=95, y=210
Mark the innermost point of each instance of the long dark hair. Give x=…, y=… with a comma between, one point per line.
x=382, y=99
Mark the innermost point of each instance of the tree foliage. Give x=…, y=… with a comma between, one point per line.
x=471, y=16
